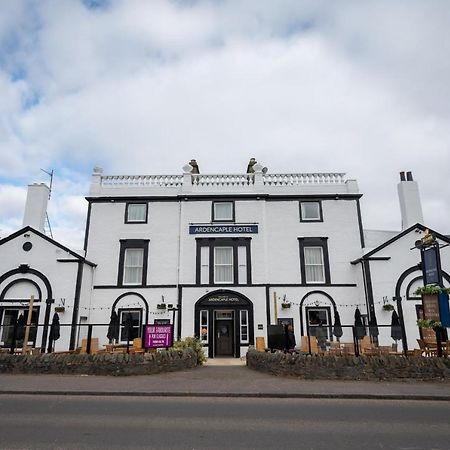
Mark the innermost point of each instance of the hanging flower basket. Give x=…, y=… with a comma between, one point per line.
x=60, y=309
x=430, y=290
x=428, y=323
x=388, y=307
x=161, y=306
x=285, y=305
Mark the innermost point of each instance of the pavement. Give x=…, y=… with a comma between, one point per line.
x=220, y=378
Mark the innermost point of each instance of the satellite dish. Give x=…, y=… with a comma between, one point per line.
x=264, y=170
x=418, y=244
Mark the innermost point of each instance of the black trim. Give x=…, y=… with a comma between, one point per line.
x=87, y=228
x=132, y=244
x=408, y=272
x=233, y=211
x=267, y=305
x=320, y=219
x=18, y=280
x=127, y=204
x=180, y=309
x=68, y=260
x=329, y=327
x=193, y=197
x=125, y=294
x=49, y=300
x=408, y=289
x=76, y=306
x=360, y=223
x=194, y=285
x=404, y=233
x=369, y=289
x=314, y=242
x=121, y=324
x=370, y=258
x=328, y=296
x=247, y=304
x=43, y=236
x=234, y=242
x=146, y=286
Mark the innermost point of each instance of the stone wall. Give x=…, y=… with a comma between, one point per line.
x=350, y=367
x=100, y=363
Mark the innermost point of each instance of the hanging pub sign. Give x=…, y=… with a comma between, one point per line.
x=158, y=336
x=431, y=265
x=223, y=229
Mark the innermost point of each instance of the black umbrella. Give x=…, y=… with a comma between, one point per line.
x=337, y=329
x=20, y=333
x=396, y=329
x=360, y=330
x=127, y=333
x=54, y=332
x=113, y=328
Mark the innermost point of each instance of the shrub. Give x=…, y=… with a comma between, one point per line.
x=193, y=343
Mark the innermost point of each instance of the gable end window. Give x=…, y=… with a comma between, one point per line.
x=133, y=262
x=223, y=212
x=136, y=213
x=314, y=261
x=311, y=211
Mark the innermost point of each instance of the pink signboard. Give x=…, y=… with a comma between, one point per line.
x=158, y=336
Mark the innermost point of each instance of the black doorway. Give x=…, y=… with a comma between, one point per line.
x=224, y=337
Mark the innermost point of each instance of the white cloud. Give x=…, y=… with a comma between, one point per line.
x=302, y=86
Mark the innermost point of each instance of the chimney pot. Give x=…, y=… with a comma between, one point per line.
x=402, y=176
x=409, y=176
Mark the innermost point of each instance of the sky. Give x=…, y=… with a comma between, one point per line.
x=142, y=87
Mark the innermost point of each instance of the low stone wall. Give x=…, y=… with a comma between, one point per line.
x=350, y=367
x=100, y=363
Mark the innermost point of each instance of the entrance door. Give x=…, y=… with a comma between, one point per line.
x=224, y=333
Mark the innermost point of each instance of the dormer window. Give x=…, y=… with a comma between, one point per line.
x=223, y=212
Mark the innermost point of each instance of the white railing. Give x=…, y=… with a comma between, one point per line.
x=294, y=179
x=142, y=180
x=248, y=179
x=223, y=180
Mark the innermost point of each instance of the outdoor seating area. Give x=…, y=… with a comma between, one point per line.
x=309, y=344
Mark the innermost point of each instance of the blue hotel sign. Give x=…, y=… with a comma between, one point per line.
x=430, y=261
x=223, y=229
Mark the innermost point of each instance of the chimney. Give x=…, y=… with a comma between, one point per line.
x=409, y=197
x=36, y=206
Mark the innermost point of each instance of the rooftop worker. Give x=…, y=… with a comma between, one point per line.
x=195, y=168
x=251, y=163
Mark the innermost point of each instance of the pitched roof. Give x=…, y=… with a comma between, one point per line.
x=404, y=233
x=52, y=241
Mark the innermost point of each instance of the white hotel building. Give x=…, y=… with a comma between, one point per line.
x=226, y=251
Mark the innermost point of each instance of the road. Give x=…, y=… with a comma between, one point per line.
x=75, y=422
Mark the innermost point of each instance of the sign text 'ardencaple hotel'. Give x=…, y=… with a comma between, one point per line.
x=226, y=229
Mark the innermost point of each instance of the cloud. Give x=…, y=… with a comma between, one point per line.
x=300, y=85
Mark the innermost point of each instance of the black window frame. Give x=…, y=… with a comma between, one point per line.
x=132, y=244
x=136, y=221
x=314, y=242
x=235, y=243
x=233, y=212
x=121, y=311
x=302, y=219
